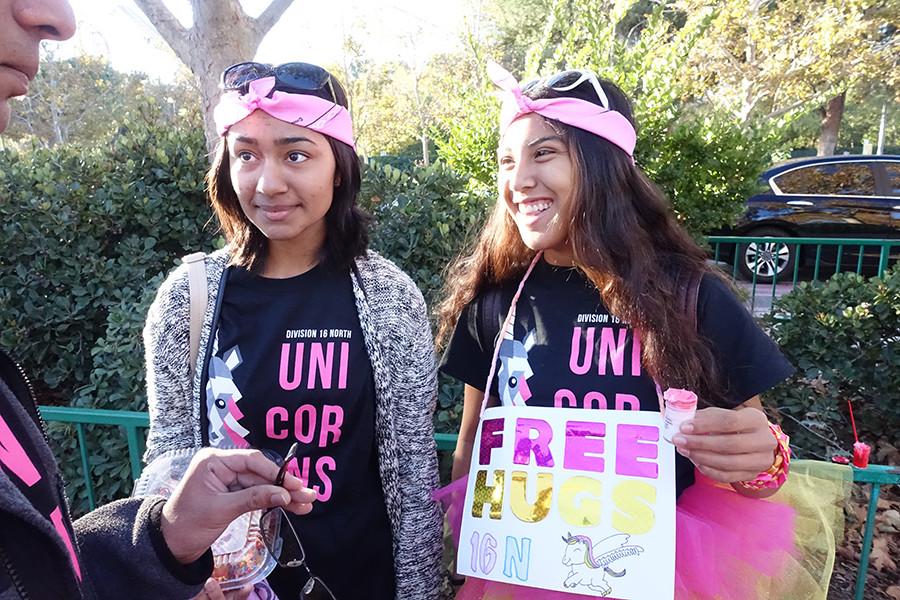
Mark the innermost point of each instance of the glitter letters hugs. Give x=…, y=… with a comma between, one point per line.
x=572, y=500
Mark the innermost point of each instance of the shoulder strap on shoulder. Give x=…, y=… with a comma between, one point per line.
x=489, y=317
x=687, y=289
x=196, y=263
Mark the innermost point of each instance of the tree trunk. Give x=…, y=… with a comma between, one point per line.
x=426, y=159
x=831, y=113
x=222, y=34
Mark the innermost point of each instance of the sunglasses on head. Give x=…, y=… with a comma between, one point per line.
x=284, y=544
x=554, y=82
x=293, y=77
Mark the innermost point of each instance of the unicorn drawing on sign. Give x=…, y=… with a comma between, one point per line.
x=222, y=396
x=590, y=563
x=514, y=371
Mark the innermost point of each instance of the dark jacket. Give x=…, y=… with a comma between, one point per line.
x=120, y=549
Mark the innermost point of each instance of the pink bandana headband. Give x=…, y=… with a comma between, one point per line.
x=608, y=124
x=304, y=110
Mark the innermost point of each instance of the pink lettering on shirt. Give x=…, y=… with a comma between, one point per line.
x=284, y=376
x=57, y=519
x=325, y=493
x=564, y=395
x=595, y=400
x=332, y=419
x=612, y=352
x=305, y=415
x=14, y=458
x=280, y=414
x=636, y=353
x=320, y=364
x=342, y=373
x=627, y=402
x=581, y=367
x=300, y=468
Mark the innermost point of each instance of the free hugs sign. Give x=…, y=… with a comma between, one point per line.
x=579, y=501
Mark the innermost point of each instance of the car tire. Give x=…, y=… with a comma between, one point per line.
x=772, y=261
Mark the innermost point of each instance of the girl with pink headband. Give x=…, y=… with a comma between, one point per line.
x=308, y=339
x=582, y=241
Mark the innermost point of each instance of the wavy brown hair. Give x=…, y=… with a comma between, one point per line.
x=346, y=224
x=624, y=238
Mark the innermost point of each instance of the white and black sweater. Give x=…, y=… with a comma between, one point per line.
x=398, y=339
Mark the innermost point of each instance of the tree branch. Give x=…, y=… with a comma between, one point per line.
x=270, y=16
x=787, y=109
x=168, y=26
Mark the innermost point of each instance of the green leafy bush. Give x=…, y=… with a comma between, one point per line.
x=87, y=234
x=844, y=338
x=424, y=217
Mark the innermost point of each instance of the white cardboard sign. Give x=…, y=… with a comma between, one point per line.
x=572, y=500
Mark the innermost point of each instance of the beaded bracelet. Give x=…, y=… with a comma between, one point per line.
x=776, y=475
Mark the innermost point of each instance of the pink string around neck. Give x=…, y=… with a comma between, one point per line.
x=506, y=323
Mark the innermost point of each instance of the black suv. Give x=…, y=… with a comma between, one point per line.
x=846, y=196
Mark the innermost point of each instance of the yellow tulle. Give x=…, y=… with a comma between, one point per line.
x=818, y=492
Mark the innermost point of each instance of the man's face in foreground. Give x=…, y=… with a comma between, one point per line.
x=23, y=24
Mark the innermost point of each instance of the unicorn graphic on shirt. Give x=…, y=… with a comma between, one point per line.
x=514, y=371
x=222, y=397
x=590, y=563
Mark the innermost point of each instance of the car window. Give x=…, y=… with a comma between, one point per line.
x=843, y=179
x=893, y=174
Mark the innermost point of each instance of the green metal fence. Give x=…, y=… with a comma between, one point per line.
x=770, y=266
x=135, y=424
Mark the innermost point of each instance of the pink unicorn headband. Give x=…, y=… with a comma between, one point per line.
x=594, y=118
x=312, y=112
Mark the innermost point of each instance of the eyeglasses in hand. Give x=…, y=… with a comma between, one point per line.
x=284, y=544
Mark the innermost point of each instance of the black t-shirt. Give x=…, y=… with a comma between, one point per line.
x=567, y=350
x=289, y=364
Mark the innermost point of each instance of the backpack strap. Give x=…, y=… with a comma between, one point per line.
x=491, y=305
x=687, y=289
x=196, y=263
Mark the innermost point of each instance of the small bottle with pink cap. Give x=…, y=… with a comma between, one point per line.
x=680, y=406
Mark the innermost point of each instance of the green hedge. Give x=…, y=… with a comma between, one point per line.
x=844, y=338
x=88, y=233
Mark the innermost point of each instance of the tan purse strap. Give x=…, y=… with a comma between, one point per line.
x=196, y=263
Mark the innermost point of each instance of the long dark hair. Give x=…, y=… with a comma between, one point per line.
x=624, y=238
x=346, y=224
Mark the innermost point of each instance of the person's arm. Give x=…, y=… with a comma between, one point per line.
x=166, y=349
x=421, y=526
x=733, y=442
x=730, y=445
x=156, y=548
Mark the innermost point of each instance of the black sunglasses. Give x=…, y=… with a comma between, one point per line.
x=283, y=543
x=294, y=77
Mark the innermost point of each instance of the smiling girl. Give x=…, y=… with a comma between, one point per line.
x=587, y=293
x=308, y=338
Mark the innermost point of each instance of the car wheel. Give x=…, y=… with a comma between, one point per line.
x=772, y=261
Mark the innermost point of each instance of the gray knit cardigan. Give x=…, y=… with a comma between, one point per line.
x=398, y=338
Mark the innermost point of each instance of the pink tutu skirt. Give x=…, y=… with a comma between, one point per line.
x=727, y=547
